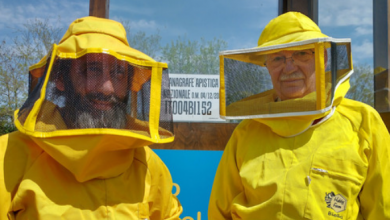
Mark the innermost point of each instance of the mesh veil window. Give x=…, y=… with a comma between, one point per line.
x=247, y=90
x=97, y=92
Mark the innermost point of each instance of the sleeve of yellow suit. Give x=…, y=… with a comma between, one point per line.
x=375, y=194
x=5, y=195
x=165, y=205
x=13, y=162
x=227, y=182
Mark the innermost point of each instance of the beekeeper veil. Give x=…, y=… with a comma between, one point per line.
x=93, y=82
x=296, y=70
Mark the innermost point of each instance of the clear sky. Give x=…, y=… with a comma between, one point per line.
x=238, y=22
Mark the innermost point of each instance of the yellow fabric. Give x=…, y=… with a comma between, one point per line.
x=264, y=176
x=98, y=35
x=283, y=126
x=287, y=28
x=323, y=79
x=139, y=80
x=28, y=126
x=322, y=94
x=51, y=125
x=92, y=32
x=291, y=27
x=265, y=102
x=50, y=120
x=81, y=34
x=39, y=68
x=100, y=177
x=222, y=87
x=259, y=57
x=297, y=167
x=48, y=171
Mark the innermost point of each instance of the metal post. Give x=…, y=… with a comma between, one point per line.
x=99, y=8
x=381, y=18
x=306, y=7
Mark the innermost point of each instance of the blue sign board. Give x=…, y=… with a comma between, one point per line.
x=193, y=174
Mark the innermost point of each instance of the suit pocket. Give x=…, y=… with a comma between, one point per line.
x=333, y=188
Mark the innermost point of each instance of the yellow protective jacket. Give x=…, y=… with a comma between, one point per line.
x=83, y=177
x=327, y=164
x=89, y=177
x=48, y=171
x=337, y=169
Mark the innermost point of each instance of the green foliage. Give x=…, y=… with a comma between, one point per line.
x=33, y=41
x=149, y=45
x=208, y=55
x=181, y=56
x=13, y=83
x=185, y=56
x=6, y=127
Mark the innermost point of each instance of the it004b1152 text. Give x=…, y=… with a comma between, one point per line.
x=188, y=107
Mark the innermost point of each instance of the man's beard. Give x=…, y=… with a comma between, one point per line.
x=80, y=113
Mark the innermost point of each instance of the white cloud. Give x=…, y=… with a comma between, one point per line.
x=363, y=30
x=345, y=12
x=143, y=24
x=133, y=10
x=139, y=25
x=14, y=16
x=362, y=51
x=236, y=42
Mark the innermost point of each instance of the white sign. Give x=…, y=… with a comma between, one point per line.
x=194, y=97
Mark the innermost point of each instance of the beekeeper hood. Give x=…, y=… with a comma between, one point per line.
x=94, y=83
x=295, y=73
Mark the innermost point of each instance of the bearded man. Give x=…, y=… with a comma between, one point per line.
x=81, y=151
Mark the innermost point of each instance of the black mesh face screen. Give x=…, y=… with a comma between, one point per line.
x=337, y=65
x=96, y=90
x=91, y=91
x=35, y=87
x=244, y=79
x=166, y=121
x=291, y=80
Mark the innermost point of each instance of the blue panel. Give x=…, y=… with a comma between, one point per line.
x=193, y=171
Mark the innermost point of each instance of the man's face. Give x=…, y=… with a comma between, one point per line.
x=98, y=92
x=292, y=73
x=101, y=84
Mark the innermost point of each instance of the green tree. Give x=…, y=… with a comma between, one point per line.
x=362, y=84
x=13, y=88
x=185, y=56
x=208, y=58
x=33, y=41
x=181, y=56
x=148, y=44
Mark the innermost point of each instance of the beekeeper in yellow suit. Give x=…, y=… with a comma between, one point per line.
x=303, y=150
x=81, y=149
